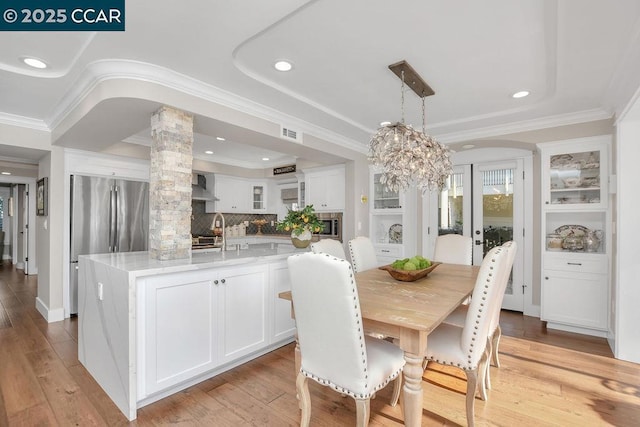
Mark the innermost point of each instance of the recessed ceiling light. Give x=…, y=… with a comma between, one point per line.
x=520, y=94
x=385, y=123
x=283, y=66
x=208, y=152
x=34, y=62
x=468, y=146
x=265, y=158
x=6, y=173
x=219, y=138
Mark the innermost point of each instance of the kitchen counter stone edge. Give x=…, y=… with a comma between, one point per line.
x=140, y=264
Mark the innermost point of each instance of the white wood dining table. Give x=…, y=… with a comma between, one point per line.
x=409, y=311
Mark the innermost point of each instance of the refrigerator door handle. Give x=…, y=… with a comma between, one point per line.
x=111, y=220
x=116, y=238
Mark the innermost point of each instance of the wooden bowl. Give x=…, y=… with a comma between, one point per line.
x=409, y=275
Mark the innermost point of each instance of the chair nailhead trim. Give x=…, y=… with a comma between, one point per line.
x=355, y=395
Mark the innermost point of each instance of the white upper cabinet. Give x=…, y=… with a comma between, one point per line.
x=234, y=194
x=575, y=175
x=325, y=188
x=241, y=195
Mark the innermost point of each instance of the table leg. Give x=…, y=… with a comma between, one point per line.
x=412, y=390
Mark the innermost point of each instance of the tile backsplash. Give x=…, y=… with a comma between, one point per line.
x=201, y=221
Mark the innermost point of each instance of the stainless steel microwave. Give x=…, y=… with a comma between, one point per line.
x=332, y=225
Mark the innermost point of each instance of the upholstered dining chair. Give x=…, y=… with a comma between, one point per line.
x=329, y=246
x=363, y=254
x=466, y=347
x=333, y=348
x=459, y=316
x=453, y=249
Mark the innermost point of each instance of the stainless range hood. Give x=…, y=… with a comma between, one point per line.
x=202, y=188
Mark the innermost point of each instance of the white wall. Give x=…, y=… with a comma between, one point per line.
x=627, y=315
x=43, y=249
x=50, y=232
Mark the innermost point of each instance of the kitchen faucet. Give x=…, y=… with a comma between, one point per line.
x=215, y=217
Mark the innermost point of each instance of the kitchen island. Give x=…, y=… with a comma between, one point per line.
x=149, y=328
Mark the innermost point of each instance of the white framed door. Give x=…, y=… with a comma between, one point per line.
x=441, y=213
x=498, y=217
x=449, y=211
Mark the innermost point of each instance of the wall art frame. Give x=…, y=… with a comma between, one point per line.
x=42, y=196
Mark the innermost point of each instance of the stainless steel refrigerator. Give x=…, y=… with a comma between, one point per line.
x=107, y=215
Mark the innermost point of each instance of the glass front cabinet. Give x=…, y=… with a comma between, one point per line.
x=576, y=235
x=575, y=177
x=392, y=221
x=382, y=198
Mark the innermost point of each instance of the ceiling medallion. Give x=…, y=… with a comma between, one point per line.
x=407, y=156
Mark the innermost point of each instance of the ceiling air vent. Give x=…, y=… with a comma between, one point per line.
x=288, y=133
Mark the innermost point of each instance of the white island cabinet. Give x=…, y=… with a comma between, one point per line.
x=150, y=328
x=218, y=314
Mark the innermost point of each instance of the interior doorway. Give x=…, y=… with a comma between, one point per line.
x=487, y=201
x=18, y=222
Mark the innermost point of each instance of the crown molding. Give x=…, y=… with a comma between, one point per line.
x=100, y=71
x=526, y=125
x=138, y=140
x=144, y=141
x=28, y=163
x=24, y=122
x=226, y=161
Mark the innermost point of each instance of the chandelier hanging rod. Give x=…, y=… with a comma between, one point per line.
x=411, y=78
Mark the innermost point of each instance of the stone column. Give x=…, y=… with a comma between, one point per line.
x=170, y=184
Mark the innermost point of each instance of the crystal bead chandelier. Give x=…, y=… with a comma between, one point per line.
x=406, y=156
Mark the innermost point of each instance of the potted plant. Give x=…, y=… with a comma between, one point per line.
x=302, y=224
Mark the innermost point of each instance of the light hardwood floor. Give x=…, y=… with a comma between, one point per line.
x=547, y=378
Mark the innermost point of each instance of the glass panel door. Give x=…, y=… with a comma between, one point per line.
x=451, y=206
x=453, y=213
x=498, y=218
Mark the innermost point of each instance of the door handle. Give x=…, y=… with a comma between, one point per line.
x=479, y=242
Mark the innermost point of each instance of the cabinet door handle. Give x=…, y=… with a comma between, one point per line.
x=385, y=250
x=574, y=263
x=222, y=281
x=546, y=277
x=215, y=282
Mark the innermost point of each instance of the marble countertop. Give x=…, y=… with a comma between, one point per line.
x=283, y=237
x=139, y=264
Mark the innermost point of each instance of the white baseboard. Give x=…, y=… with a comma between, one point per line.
x=49, y=315
x=20, y=266
x=577, y=330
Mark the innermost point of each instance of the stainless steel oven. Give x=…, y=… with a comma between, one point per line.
x=332, y=225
